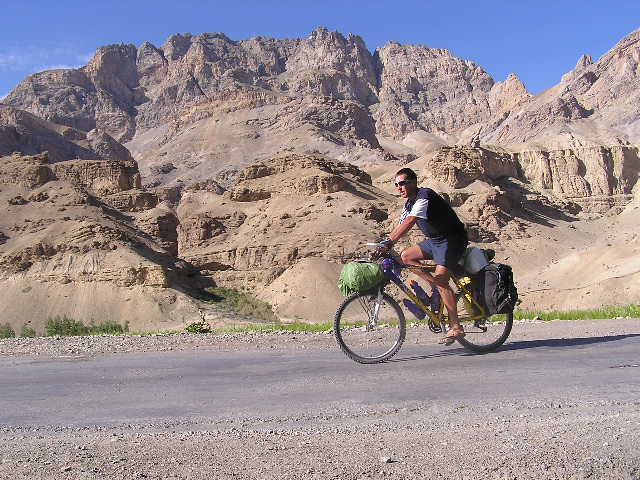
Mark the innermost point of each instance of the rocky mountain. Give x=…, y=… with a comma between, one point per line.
x=596, y=103
x=431, y=90
x=206, y=104
x=125, y=90
x=264, y=163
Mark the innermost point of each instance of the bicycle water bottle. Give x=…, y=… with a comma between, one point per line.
x=420, y=293
x=387, y=266
x=390, y=267
x=436, y=300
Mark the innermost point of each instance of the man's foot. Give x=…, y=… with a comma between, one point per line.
x=452, y=335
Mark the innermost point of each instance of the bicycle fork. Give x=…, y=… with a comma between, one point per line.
x=373, y=314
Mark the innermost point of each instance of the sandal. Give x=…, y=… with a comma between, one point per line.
x=452, y=335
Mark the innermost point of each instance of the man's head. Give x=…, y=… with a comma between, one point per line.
x=406, y=182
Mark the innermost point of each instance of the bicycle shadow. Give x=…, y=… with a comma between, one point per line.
x=563, y=342
x=522, y=345
x=448, y=353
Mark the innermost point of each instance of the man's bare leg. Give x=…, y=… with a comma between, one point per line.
x=412, y=256
x=442, y=277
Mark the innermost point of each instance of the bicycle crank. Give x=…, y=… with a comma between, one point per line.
x=434, y=327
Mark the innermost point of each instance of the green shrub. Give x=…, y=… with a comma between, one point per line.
x=64, y=326
x=27, y=331
x=6, y=331
x=199, y=327
x=242, y=303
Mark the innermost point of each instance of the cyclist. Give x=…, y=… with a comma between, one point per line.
x=445, y=244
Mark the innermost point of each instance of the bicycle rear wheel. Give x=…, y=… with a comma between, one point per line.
x=482, y=334
x=369, y=328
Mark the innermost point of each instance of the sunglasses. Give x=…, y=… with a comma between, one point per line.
x=402, y=183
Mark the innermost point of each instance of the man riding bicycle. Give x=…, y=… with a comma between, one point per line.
x=445, y=244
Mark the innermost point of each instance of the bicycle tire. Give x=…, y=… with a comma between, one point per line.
x=369, y=344
x=498, y=325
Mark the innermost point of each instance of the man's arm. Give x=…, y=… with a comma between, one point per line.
x=402, y=229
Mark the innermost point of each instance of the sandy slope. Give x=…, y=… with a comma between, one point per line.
x=582, y=264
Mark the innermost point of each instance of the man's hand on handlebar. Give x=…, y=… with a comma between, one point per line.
x=378, y=252
x=382, y=248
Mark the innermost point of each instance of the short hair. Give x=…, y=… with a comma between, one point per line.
x=411, y=175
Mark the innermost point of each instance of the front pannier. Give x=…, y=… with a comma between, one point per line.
x=359, y=277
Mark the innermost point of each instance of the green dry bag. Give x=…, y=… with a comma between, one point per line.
x=359, y=277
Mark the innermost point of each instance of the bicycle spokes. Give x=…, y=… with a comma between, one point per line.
x=369, y=327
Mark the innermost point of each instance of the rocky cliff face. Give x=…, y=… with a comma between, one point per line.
x=66, y=249
x=595, y=180
x=598, y=178
x=125, y=91
x=428, y=89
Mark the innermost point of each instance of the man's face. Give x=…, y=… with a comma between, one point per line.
x=406, y=187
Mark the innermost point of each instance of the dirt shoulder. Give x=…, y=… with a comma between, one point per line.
x=285, y=340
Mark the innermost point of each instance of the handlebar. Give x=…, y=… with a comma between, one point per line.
x=382, y=250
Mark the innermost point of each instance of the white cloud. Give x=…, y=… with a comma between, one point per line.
x=36, y=59
x=18, y=61
x=3, y=96
x=10, y=61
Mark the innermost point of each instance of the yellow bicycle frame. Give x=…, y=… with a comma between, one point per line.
x=462, y=283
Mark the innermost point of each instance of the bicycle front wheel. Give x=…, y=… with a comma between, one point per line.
x=369, y=327
x=482, y=333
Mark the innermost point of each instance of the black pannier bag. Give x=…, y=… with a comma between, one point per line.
x=497, y=290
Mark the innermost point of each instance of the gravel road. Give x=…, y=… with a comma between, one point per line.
x=560, y=400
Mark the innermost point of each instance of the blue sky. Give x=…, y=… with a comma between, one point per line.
x=539, y=41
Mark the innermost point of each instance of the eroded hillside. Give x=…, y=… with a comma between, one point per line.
x=264, y=163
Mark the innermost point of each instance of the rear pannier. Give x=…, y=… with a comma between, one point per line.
x=498, y=290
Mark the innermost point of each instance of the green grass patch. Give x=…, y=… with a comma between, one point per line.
x=290, y=327
x=155, y=332
x=632, y=311
x=241, y=303
x=6, y=331
x=64, y=326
